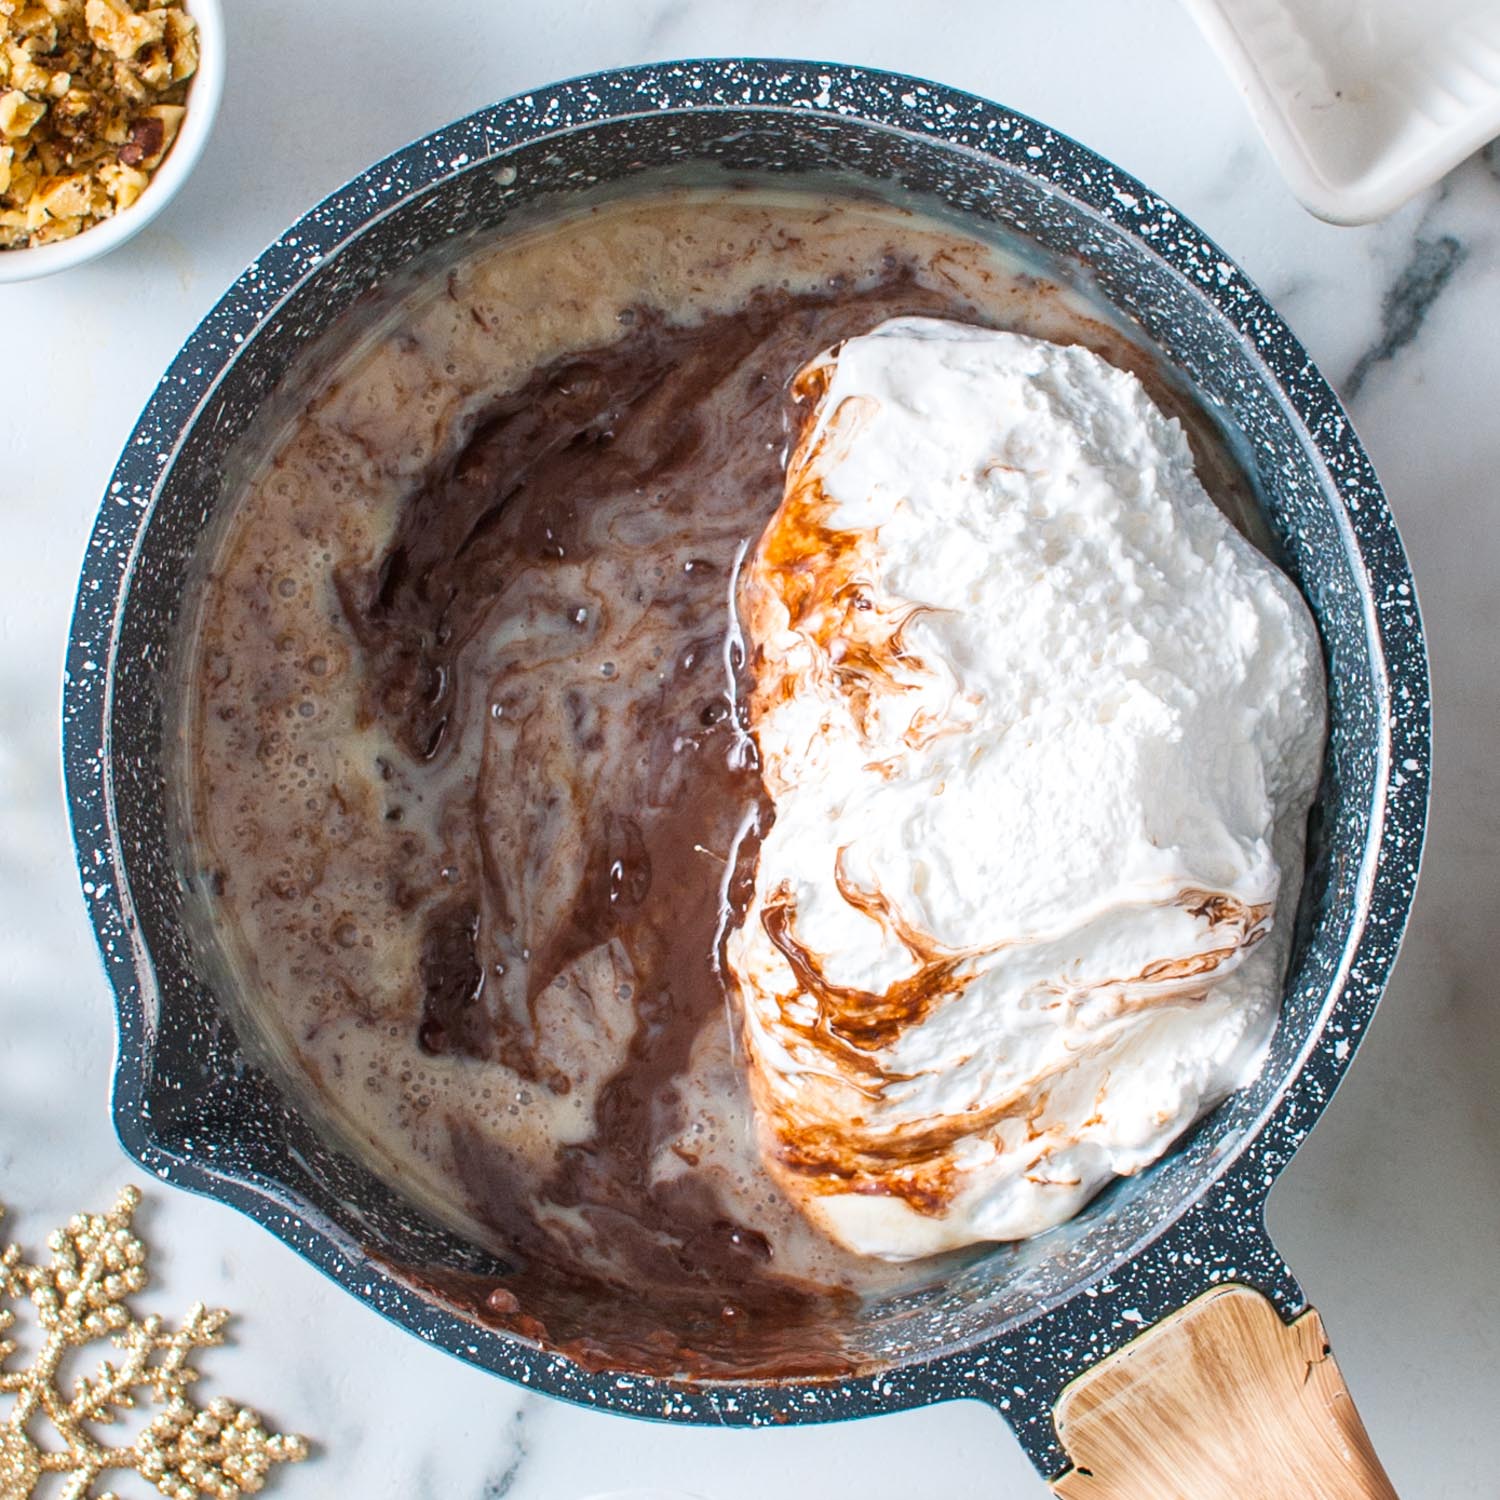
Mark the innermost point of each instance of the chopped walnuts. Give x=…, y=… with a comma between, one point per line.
x=92, y=93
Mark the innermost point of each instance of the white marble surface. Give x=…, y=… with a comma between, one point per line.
x=1390, y=1215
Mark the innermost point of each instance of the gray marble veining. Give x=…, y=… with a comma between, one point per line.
x=1423, y=279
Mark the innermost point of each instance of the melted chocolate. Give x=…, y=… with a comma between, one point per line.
x=601, y=791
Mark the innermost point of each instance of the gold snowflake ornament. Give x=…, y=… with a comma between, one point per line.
x=186, y=1451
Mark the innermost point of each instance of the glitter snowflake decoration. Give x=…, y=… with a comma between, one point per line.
x=186, y=1451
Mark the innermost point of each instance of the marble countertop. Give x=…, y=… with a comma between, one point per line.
x=1390, y=1215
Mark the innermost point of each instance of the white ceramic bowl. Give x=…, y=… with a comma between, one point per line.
x=202, y=106
x=1362, y=105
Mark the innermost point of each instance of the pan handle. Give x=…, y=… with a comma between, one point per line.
x=1218, y=1401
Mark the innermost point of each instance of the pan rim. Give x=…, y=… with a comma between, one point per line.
x=1388, y=869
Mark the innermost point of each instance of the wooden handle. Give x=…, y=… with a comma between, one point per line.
x=1221, y=1401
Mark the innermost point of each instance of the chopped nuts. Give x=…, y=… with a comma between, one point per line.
x=152, y=136
x=122, y=183
x=117, y=27
x=92, y=94
x=18, y=114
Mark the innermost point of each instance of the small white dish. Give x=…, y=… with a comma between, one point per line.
x=1362, y=102
x=202, y=105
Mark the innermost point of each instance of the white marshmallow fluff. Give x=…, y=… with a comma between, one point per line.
x=1041, y=730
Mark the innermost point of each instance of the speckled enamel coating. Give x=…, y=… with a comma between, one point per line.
x=1014, y=1328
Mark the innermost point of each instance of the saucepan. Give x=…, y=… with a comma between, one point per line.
x=1156, y=1345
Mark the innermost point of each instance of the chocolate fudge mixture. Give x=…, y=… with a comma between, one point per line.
x=466, y=765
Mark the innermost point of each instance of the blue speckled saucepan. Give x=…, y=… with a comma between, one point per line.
x=1015, y=1327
